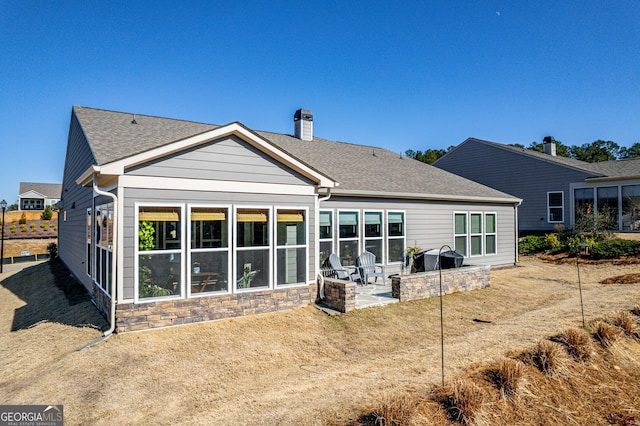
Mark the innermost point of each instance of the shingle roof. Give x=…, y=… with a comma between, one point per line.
x=618, y=168
x=358, y=168
x=49, y=190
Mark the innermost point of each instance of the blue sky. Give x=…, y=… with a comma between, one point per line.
x=399, y=75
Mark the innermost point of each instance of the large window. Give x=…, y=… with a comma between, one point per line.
x=460, y=233
x=395, y=236
x=631, y=208
x=491, y=233
x=583, y=205
x=159, y=251
x=253, y=251
x=209, y=254
x=291, y=249
x=608, y=207
x=555, y=207
x=326, y=235
x=373, y=234
x=348, y=240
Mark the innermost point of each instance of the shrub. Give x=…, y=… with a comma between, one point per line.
x=47, y=214
x=52, y=248
x=509, y=378
x=462, y=400
x=605, y=333
x=396, y=410
x=23, y=227
x=13, y=228
x=552, y=240
x=627, y=323
x=532, y=244
x=23, y=219
x=578, y=343
x=613, y=249
x=548, y=358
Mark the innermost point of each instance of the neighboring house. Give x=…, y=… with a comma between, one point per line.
x=555, y=190
x=207, y=222
x=37, y=196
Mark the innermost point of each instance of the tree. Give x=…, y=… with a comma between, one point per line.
x=429, y=156
x=596, y=151
x=561, y=149
x=631, y=152
x=47, y=214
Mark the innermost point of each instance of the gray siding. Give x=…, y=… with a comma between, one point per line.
x=429, y=225
x=133, y=195
x=76, y=200
x=229, y=159
x=517, y=174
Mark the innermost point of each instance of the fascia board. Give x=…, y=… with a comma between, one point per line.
x=237, y=129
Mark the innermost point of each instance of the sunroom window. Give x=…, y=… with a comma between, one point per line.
x=460, y=233
x=253, y=253
x=291, y=246
x=209, y=264
x=159, y=252
x=326, y=235
x=395, y=236
x=476, y=234
x=490, y=233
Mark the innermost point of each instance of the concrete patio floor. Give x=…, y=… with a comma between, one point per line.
x=374, y=294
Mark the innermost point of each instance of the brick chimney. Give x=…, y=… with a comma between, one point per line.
x=303, y=125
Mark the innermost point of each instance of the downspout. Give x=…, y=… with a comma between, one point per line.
x=515, y=221
x=114, y=249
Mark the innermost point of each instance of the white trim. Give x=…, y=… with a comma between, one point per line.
x=237, y=249
x=228, y=249
x=472, y=234
x=494, y=233
x=381, y=238
x=339, y=239
x=148, y=182
x=388, y=237
x=549, y=207
x=180, y=251
x=296, y=246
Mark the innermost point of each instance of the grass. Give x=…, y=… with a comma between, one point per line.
x=303, y=367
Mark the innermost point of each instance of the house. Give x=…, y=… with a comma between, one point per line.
x=169, y=221
x=555, y=190
x=37, y=196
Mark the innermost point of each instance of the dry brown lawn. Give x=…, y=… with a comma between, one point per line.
x=294, y=367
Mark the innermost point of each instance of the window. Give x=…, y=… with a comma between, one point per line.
x=583, y=206
x=395, y=236
x=88, y=256
x=104, y=246
x=291, y=249
x=253, y=251
x=608, y=207
x=348, y=239
x=373, y=233
x=631, y=208
x=209, y=254
x=460, y=233
x=159, y=246
x=490, y=226
x=326, y=235
x=476, y=234
x=555, y=207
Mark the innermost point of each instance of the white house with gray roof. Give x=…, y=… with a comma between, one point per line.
x=179, y=222
x=555, y=190
x=37, y=196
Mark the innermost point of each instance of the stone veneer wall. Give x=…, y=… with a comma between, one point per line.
x=339, y=295
x=427, y=284
x=141, y=316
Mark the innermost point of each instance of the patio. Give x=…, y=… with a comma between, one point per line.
x=374, y=295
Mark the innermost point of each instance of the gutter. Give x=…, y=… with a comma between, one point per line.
x=114, y=250
x=430, y=197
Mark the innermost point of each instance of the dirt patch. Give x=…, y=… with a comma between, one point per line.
x=623, y=279
x=294, y=367
x=564, y=258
